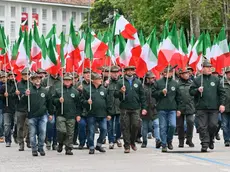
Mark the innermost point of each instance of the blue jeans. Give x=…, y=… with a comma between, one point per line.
x=114, y=126
x=102, y=122
x=82, y=130
x=37, y=125
x=51, y=131
x=167, y=121
x=156, y=129
x=1, y=124
x=8, y=123
x=226, y=126
x=145, y=129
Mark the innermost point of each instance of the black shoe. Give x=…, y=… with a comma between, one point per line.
x=138, y=140
x=211, y=145
x=80, y=147
x=42, y=152
x=204, y=149
x=227, y=144
x=28, y=145
x=54, y=147
x=69, y=152
x=143, y=145
x=181, y=144
x=170, y=146
x=91, y=151
x=164, y=149
x=100, y=149
x=21, y=147
x=217, y=136
x=34, y=153
x=60, y=148
x=190, y=143
x=158, y=144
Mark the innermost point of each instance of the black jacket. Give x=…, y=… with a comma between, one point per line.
x=213, y=95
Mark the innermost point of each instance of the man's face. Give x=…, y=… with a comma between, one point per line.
x=169, y=75
x=25, y=77
x=114, y=75
x=68, y=82
x=185, y=76
x=86, y=76
x=10, y=77
x=129, y=72
x=215, y=74
x=228, y=75
x=76, y=79
x=97, y=81
x=150, y=80
x=36, y=81
x=105, y=74
x=207, y=70
x=3, y=79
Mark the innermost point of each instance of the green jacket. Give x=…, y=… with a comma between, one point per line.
x=113, y=103
x=38, y=102
x=151, y=103
x=186, y=102
x=168, y=102
x=71, y=105
x=22, y=87
x=99, y=99
x=213, y=95
x=134, y=98
x=227, y=95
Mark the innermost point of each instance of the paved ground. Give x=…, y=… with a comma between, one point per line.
x=144, y=160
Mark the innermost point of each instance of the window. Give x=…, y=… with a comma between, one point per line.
x=1, y=23
x=54, y=14
x=34, y=10
x=63, y=15
x=2, y=11
x=64, y=29
x=44, y=14
x=12, y=28
x=24, y=9
x=13, y=11
x=82, y=17
x=44, y=29
x=74, y=16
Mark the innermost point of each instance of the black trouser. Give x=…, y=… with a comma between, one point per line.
x=180, y=127
x=207, y=123
x=75, y=132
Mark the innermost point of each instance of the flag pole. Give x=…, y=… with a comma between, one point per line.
x=28, y=87
x=6, y=90
x=123, y=82
x=90, y=84
x=167, y=78
x=62, y=82
x=223, y=75
x=202, y=77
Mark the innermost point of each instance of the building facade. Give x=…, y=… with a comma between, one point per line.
x=15, y=13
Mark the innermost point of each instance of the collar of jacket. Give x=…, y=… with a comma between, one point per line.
x=68, y=87
x=36, y=87
x=93, y=86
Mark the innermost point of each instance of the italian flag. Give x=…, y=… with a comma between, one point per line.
x=191, y=44
x=123, y=27
x=73, y=56
x=180, y=57
x=207, y=46
x=49, y=56
x=36, y=51
x=23, y=52
x=168, y=48
x=215, y=51
x=222, y=59
x=2, y=39
x=196, y=53
x=56, y=41
x=124, y=51
x=148, y=57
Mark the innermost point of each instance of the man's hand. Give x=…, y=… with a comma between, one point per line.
x=123, y=89
x=80, y=87
x=78, y=118
x=90, y=101
x=106, y=83
x=144, y=112
x=6, y=94
x=221, y=108
x=27, y=92
x=201, y=89
x=61, y=100
x=50, y=117
x=178, y=113
x=164, y=91
x=17, y=92
x=108, y=118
